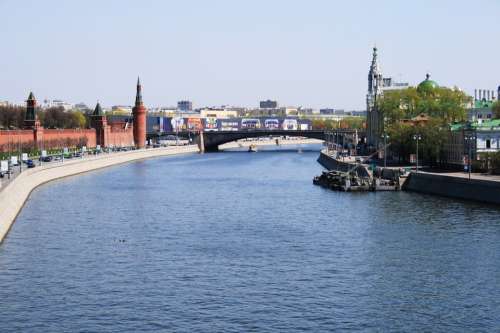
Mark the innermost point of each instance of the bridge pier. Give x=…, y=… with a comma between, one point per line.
x=201, y=142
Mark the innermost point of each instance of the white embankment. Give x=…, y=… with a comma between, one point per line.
x=14, y=194
x=243, y=144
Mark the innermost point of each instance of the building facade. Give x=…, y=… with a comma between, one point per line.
x=185, y=106
x=268, y=104
x=481, y=109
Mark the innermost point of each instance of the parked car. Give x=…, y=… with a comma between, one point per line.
x=30, y=163
x=46, y=159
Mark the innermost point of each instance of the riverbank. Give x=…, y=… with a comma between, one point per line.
x=478, y=188
x=247, y=143
x=14, y=194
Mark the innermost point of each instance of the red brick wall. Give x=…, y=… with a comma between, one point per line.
x=120, y=137
x=57, y=138
x=116, y=135
x=14, y=138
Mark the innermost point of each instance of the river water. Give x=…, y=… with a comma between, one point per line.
x=239, y=241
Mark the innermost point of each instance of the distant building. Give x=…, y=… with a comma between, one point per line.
x=121, y=109
x=356, y=113
x=390, y=84
x=326, y=111
x=218, y=113
x=268, y=104
x=82, y=107
x=481, y=109
x=485, y=139
x=4, y=103
x=185, y=106
x=55, y=103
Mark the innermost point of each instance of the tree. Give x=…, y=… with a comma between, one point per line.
x=496, y=110
x=442, y=106
x=79, y=119
x=11, y=117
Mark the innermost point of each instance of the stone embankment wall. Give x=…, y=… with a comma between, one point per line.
x=13, y=196
x=454, y=187
x=330, y=163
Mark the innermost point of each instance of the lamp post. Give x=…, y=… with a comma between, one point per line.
x=19, y=152
x=385, y=137
x=470, y=139
x=417, y=137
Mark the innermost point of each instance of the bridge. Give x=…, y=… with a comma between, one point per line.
x=209, y=141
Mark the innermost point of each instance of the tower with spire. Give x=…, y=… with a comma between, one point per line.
x=31, y=118
x=139, y=114
x=31, y=121
x=100, y=123
x=373, y=118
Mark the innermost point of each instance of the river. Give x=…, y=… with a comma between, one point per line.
x=239, y=241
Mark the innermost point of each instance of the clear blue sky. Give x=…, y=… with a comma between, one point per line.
x=309, y=53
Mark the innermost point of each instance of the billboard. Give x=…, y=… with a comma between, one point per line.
x=211, y=124
x=194, y=124
x=229, y=124
x=290, y=124
x=272, y=124
x=250, y=123
x=177, y=124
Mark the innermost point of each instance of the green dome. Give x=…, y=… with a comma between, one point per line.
x=427, y=84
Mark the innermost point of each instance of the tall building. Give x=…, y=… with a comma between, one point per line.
x=184, y=106
x=268, y=104
x=139, y=114
x=377, y=84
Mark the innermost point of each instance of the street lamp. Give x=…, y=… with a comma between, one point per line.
x=470, y=139
x=385, y=137
x=417, y=137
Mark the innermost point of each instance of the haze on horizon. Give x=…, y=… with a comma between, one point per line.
x=314, y=53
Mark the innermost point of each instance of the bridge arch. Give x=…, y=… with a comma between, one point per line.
x=211, y=140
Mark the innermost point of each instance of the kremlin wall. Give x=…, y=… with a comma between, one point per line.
x=101, y=132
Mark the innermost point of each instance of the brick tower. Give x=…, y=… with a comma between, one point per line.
x=100, y=123
x=139, y=113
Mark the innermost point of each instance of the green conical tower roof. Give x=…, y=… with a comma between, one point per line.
x=98, y=110
x=30, y=108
